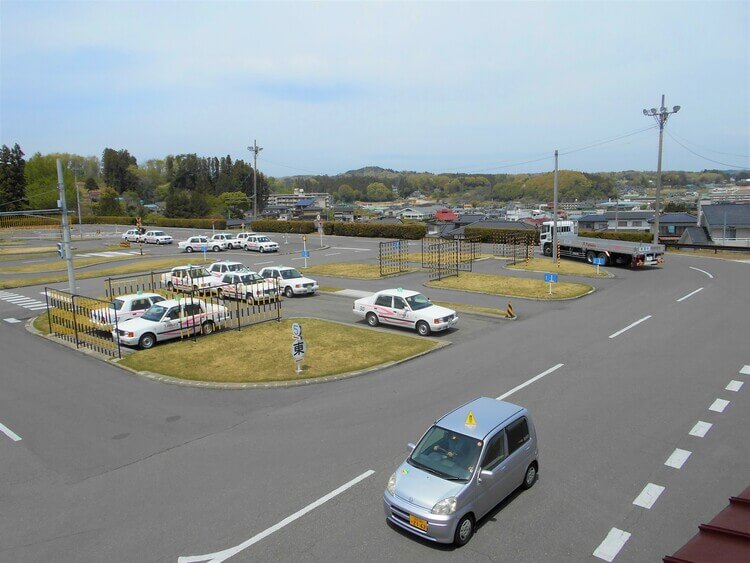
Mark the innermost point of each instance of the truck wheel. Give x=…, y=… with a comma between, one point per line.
x=147, y=341
x=590, y=255
x=189, y=249
x=423, y=329
x=606, y=258
x=547, y=250
x=464, y=530
x=372, y=319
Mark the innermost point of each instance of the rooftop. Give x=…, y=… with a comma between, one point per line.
x=488, y=414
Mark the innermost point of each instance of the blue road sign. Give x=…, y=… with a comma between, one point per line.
x=550, y=278
x=203, y=248
x=598, y=261
x=305, y=254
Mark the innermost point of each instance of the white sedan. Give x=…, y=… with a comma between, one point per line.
x=402, y=307
x=123, y=308
x=157, y=237
x=290, y=281
x=131, y=235
x=261, y=243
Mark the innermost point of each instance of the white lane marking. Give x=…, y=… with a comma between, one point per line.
x=297, y=258
x=612, y=544
x=232, y=551
x=356, y=293
x=648, y=496
x=43, y=293
x=261, y=263
x=718, y=405
x=636, y=323
x=689, y=295
x=9, y=433
x=734, y=385
x=745, y=370
x=700, y=429
x=678, y=458
x=530, y=381
x=347, y=248
x=332, y=254
x=11, y=320
x=702, y=271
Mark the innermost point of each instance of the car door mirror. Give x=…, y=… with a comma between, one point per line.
x=411, y=446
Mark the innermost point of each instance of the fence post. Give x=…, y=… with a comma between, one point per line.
x=49, y=315
x=75, y=318
x=153, y=285
x=237, y=306
x=278, y=302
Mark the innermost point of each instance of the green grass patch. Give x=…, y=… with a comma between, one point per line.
x=353, y=270
x=511, y=287
x=41, y=323
x=566, y=267
x=235, y=356
x=60, y=265
x=472, y=308
x=417, y=256
x=21, y=250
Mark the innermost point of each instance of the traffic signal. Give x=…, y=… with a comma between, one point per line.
x=138, y=224
x=60, y=250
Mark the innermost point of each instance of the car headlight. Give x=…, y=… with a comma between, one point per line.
x=445, y=506
x=391, y=487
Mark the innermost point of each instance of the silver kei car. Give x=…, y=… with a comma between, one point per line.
x=464, y=466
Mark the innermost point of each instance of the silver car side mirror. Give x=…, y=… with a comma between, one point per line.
x=411, y=446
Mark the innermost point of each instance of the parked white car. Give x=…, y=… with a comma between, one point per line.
x=157, y=237
x=170, y=319
x=189, y=278
x=242, y=237
x=195, y=244
x=131, y=235
x=248, y=286
x=402, y=307
x=218, y=269
x=291, y=281
x=227, y=240
x=261, y=243
x=123, y=308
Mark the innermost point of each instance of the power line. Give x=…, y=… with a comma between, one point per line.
x=733, y=166
x=609, y=140
x=707, y=149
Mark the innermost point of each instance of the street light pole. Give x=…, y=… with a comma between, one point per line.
x=67, y=250
x=661, y=117
x=255, y=149
x=554, y=215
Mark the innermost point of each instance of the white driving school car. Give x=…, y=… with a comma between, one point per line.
x=402, y=307
x=123, y=308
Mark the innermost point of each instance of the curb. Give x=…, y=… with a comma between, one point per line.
x=609, y=275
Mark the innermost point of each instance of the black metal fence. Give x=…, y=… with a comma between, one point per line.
x=393, y=257
x=85, y=321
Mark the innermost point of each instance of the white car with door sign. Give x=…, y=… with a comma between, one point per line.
x=261, y=243
x=249, y=286
x=170, y=319
x=157, y=237
x=406, y=308
x=291, y=282
x=131, y=235
x=218, y=269
x=194, y=244
x=123, y=308
x=189, y=278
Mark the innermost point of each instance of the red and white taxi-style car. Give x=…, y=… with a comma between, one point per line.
x=223, y=267
x=403, y=307
x=249, y=286
x=123, y=308
x=189, y=278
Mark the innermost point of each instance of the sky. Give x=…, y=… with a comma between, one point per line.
x=328, y=87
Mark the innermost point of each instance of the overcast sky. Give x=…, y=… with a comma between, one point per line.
x=329, y=87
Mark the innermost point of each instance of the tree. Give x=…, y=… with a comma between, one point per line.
x=347, y=193
x=177, y=203
x=109, y=205
x=116, y=168
x=236, y=202
x=199, y=206
x=377, y=191
x=12, y=179
x=41, y=182
x=91, y=184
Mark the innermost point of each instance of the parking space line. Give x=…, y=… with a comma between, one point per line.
x=9, y=433
x=346, y=248
x=745, y=370
x=648, y=496
x=734, y=385
x=261, y=263
x=718, y=405
x=612, y=544
x=529, y=382
x=700, y=429
x=332, y=254
x=702, y=271
x=11, y=320
x=232, y=551
x=636, y=323
x=297, y=258
x=689, y=294
x=678, y=458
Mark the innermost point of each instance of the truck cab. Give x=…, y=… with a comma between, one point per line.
x=563, y=228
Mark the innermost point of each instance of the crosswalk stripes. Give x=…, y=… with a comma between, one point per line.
x=23, y=301
x=110, y=254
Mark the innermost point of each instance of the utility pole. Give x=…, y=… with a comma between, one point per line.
x=66, y=229
x=661, y=117
x=255, y=149
x=554, y=215
x=617, y=210
x=78, y=201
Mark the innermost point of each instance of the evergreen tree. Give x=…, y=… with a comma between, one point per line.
x=12, y=179
x=109, y=205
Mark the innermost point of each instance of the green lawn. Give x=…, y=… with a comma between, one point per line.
x=512, y=287
x=353, y=270
x=566, y=267
x=237, y=357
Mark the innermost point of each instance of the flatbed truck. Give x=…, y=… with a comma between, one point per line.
x=614, y=252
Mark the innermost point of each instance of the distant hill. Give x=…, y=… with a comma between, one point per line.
x=374, y=172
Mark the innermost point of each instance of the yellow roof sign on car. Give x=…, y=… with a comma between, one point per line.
x=470, y=421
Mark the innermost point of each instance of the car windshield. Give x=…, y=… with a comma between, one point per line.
x=263, y=239
x=290, y=274
x=155, y=313
x=447, y=454
x=199, y=273
x=117, y=304
x=236, y=267
x=158, y=233
x=251, y=278
x=418, y=301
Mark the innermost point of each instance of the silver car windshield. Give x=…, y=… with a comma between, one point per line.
x=154, y=313
x=447, y=454
x=418, y=301
x=290, y=274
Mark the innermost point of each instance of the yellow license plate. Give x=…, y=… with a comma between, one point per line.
x=418, y=523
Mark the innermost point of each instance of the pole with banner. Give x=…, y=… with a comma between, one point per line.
x=305, y=252
x=299, y=347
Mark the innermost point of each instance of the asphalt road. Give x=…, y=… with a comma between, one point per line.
x=111, y=467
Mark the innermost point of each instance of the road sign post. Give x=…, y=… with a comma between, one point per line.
x=204, y=247
x=598, y=262
x=299, y=346
x=305, y=253
x=550, y=279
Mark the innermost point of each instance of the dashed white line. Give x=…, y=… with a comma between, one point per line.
x=700, y=429
x=332, y=254
x=745, y=370
x=261, y=263
x=648, y=496
x=346, y=248
x=636, y=323
x=219, y=556
x=718, y=405
x=678, y=458
x=11, y=320
x=9, y=433
x=689, y=295
x=530, y=381
x=298, y=258
x=734, y=385
x=612, y=544
x=702, y=271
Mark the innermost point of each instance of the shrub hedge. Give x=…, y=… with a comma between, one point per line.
x=611, y=235
x=343, y=228
x=486, y=234
x=191, y=223
x=274, y=226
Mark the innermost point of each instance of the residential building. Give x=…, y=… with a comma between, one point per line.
x=727, y=224
x=321, y=200
x=672, y=225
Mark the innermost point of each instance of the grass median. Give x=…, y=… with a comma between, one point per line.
x=238, y=356
x=352, y=270
x=512, y=287
x=566, y=268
